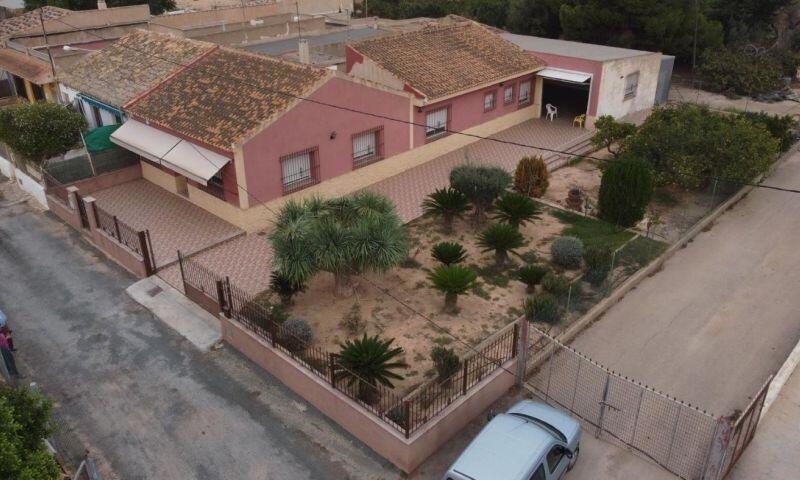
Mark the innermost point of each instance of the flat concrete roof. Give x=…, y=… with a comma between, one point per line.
x=288, y=45
x=586, y=51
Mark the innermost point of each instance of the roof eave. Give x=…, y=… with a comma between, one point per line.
x=429, y=100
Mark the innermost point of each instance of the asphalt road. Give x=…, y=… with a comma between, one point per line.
x=722, y=314
x=138, y=395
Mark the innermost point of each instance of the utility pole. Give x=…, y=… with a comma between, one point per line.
x=297, y=9
x=694, y=45
x=47, y=44
x=522, y=350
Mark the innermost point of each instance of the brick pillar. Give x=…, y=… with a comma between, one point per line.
x=72, y=198
x=90, y=212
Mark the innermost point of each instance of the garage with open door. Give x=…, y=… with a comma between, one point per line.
x=565, y=94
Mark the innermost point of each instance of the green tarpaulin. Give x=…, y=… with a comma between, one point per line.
x=98, y=139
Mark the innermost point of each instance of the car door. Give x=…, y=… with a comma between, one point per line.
x=540, y=473
x=557, y=462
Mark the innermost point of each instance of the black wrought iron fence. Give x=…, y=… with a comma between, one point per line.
x=118, y=230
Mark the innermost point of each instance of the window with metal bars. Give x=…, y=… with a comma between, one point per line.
x=367, y=147
x=488, y=101
x=524, y=92
x=299, y=170
x=436, y=122
x=508, y=94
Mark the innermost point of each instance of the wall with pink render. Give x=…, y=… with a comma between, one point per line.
x=578, y=65
x=467, y=110
x=311, y=125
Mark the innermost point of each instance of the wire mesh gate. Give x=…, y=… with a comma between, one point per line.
x=671, y=433
x=743, y=429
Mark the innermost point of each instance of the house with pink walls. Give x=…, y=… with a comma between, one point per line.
x=235, y=129
x=459, y=72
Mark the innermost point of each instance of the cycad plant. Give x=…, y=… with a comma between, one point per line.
x=501, y=238
x=531, y=275
x=368, y=362
x=452, y=280
x=448, y=253
x=284, y=287
x=516, y=209
x=447, y=204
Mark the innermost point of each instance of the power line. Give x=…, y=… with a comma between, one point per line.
x=194, y=64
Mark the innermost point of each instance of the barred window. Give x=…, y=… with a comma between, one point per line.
x=631, y=85
x=488, y=101
x=508, y=94
x=524, y=92
x=436, y=122
x=366, y=147
x=299, y=170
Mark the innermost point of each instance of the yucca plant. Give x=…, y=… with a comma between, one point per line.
x=283, y=286
x=516, y=209
x=531, y=275
x=448, y=253
x=542, y=308
x=367, y=362
x=448, y=204
x=501, y=238
x=452, y=280
x=445, y=361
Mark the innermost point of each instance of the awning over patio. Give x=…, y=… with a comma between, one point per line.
x=177, y=154
x=564, y=75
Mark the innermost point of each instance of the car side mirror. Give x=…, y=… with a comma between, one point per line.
x=490, y=415
x=568, y=453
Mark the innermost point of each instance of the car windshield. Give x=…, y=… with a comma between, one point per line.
x=553, y=430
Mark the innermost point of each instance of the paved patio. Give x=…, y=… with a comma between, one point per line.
x=410, y=188
x=174, y=223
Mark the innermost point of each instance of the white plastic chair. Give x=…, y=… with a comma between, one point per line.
x=552, y=111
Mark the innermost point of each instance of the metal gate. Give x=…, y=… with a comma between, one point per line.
x=743, y=430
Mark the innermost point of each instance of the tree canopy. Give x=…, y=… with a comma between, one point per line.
x=157, y=7
x=24, y=423
x=39, y=131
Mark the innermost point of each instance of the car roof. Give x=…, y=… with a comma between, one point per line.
x=552, y=416
x=505, y=449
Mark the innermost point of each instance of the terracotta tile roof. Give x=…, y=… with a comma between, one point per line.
x=30, y=68
x=132, y=65
x=29, y=20
x=226, y=95
x=445, y=59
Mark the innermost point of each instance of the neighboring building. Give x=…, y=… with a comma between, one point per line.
x=461, y=74
x=234, y=129
x=595, y=80
x=101, y=83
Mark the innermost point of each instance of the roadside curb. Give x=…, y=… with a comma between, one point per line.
x=781, y=378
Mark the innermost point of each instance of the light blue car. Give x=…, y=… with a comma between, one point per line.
x=531, y=441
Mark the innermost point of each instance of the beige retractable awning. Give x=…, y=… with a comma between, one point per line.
x=175, y=153
x=564, y=75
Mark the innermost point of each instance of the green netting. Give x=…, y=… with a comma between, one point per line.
x=98, y=139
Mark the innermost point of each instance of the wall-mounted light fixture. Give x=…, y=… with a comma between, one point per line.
x=333, y=135
x=419, y=109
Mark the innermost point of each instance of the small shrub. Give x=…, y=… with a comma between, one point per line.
x=446, y=203
x=296, y=334
x=567, y=252
x=625, y=191
x=555, y=283
x=284, y=287
x=264, y=312
x=452, y=280
x=501, y=238
x=445, y=361
x=609, y=132
x=598, y=264
x=516, y=209
x=531, y=275
x=481, y=185
x=448, y=253
x=352, y=321
x=739, y=72
x=542, y=308
x=531, y=177
x=780, y=127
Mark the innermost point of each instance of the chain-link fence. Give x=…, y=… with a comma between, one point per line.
x=87, y=165
x=671, y=433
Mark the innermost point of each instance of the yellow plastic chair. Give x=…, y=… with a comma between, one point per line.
x=579, y=120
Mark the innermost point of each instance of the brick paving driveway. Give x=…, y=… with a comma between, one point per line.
x=174, y=223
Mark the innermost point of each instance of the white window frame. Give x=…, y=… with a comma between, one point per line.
x=508, y=94
x=631, y=85
x=527, y=98
x=489, y=97
x=434, y=129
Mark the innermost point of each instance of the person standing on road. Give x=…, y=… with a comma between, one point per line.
x=8, y=357
x=4, y=328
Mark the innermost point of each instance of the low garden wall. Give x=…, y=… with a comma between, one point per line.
x=406, y=453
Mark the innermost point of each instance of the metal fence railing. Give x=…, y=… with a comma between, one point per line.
x=118, y=230
x=405, y=414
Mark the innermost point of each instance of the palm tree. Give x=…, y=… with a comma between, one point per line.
x=452, y=280
x=447, y=203
x=516, y=209
x=501, y=238
x=282, y=285
x=448, y=253
x=343, y=236
x=367, y=362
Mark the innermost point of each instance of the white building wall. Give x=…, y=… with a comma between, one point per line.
x=612, y=99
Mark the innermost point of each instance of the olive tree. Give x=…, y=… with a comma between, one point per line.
x=39, y=131
x=481, y=185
